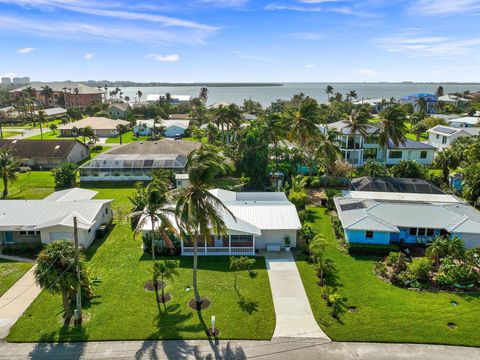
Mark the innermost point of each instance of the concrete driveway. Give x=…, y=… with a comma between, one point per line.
x=292, y=310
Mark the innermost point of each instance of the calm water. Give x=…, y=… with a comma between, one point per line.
x=266, y=94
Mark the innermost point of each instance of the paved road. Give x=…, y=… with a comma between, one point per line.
x=26, y=133
x=294, y=317
x=279, y=349
x=16, y=300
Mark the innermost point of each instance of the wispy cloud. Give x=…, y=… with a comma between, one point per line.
x=310, y=66
x=25, y=50
x=313, y=6
x=430, y=46
x=10, y=75
x=288, y=7
x=125, y=32
x=307, y=36
x=445, y=7
x=164, y=58
x=365, y=72
x=88, y=56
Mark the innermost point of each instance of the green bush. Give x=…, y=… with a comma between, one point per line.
x=298, y=198
x=337, y=227
x=392, y=259
x=420, y=268
x=330, y=194
x=371, y=249
x=22, y=250
x=315, y=183
x=65, y=175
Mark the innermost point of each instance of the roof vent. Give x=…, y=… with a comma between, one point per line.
x=14, y=141
x=57, y=147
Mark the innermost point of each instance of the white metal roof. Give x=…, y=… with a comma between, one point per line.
x=374, y=195
x=470, y=120
x=57, y=209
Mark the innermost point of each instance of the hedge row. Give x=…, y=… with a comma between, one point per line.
x=371, y=249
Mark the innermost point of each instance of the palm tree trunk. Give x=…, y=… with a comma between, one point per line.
x=41, y=129
x=155, y=281
x=66, y=304
x=5, y=183
x=198, y=299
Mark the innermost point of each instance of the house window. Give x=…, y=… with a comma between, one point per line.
x=444, y=140
x=395, y=154
x=423, y=154
x=413, y=232
x=438, y=136
x=369, y=234
x=241, y=240
x=370, y=153
x=430, y=232
x=106, y=211
x=422, y=231
x=22, y=233
x=371, y=140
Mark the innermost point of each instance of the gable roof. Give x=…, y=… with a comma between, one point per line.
x=164, y=146
x=410, y=144
x=96, y=123
x=469, y=120
x=450, y=131
x=390, y=184
x=119, y=106
x=30, y=149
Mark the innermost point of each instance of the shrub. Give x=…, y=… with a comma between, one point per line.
x=23, y=250
x=392, y=259
x=315, y=183
x=330, y=194
x=65, y=175
x=97, y=148
x=371, y=249
x=337, y=227
x=298, y=198
x=306, y=234
x=420, y=268
x=24, y=169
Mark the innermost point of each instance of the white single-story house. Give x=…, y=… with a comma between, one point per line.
x=453, y=100
x=443, y=136
x=102, y=126
x=369, y=217
x=50, y=219
x=172, y=128
x=466, y=121
x=262, y=221
x=53, y=112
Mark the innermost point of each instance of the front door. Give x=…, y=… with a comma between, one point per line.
x=9, y=237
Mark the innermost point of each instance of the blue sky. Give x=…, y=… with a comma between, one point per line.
x=241, y=40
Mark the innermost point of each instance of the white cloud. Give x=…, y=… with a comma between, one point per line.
x=310, y=66
x=10, y=75
x=88, y=56
x=306, y=6
x=445, y=7
x=275, y=7
x=366, y=72
x=164, y=58
x=26, y=50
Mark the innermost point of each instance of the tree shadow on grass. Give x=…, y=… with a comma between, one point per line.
x=97, y=243
x=247, y=305
x=47, y=348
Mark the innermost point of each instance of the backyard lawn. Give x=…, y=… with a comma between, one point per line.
x=31, y=185
x=10, y=272
x=9, y=133
x=126, y=138
x=385, y=313
x=121, y=309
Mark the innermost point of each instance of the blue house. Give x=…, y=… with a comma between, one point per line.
x=371, y=217
x=170, y=128
x=413, y=99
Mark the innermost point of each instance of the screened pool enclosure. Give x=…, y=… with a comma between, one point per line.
x=128, y=167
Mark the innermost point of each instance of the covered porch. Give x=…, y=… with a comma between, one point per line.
x=232, y=244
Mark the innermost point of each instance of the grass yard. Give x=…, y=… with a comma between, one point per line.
x=50, y=135
x=122, y=310
x=10, y=272
x=126, y=138
x=32, y=185
x=8, y=133
x=386, y=313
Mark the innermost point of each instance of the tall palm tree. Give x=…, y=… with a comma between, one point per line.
x=166, y=270
x=446, y=159
x=203, y=96
x=156, y=213
x=357, y=124
x=47, y=93
x=392, y=128
x=121, y=129
x=329, y=91
x=198, y=212
x=304, y=121
x=276, y=131
x=8, y=167
x=41, y=119
x=139, y=94
x=352, y=94
x=328, y=152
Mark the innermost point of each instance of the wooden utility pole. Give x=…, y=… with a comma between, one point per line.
x=78, y=314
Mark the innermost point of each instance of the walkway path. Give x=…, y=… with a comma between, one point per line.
x=293, y=313
x=16, y=258
x=16, y=300
x=26, y=133
x=285, y=349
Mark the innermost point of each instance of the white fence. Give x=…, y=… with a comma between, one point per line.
x=212, y=251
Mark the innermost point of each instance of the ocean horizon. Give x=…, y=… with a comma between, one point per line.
x=267, y=93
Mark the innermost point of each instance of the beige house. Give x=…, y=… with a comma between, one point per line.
x=102, y=126
x=46, y=154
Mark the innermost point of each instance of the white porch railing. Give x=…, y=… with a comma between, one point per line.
x=212, y=251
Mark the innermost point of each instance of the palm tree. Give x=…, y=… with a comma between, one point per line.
x=41, y=119
x=437, y=249
x=392, y=128
x=156, y=214
x=47, y=93
x=357, y=123
x=8, y=167
x=329, y=91
x=304, y=121
x=53, y=127
x=139, y=94
x=446, y=160
x=106, y=90
x=352, y=94
x=455, y=247
x=121, y=129
x=56, y=272
x=328, y=152
x=166, y=270
x=323, y=264
x=203, y=96
x=276, y=131
x=198, y=212
x=75, y=132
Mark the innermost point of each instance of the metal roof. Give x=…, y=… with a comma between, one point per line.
x=341, y=126
x=410, y=144
x=394, y=212
x=390, y=184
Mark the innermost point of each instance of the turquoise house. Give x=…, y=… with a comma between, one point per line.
x=369, y=217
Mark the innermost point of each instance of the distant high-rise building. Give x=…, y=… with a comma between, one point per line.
x=6, y=81
x=21, y=80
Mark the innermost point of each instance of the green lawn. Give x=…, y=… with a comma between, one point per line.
x=50, y=135
x=32, y=185
x=8, y=133
x=126, y=138
x=121, y=309
x=386, y=313
x=10, y=272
